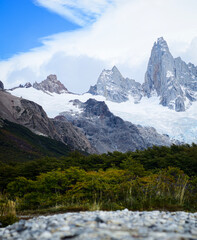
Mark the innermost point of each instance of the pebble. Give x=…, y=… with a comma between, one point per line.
x=106, y=225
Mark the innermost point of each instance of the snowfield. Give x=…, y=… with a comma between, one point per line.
x=178, y=125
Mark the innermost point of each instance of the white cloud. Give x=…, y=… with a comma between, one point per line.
x=122, y=36
x=81, y=12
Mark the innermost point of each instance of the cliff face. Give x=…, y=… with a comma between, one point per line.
x=174, y=81
x=72, y=135
x=26, y=113
x=32, y=116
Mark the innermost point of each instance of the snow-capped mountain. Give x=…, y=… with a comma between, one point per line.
x=170, y=79
x=168, y=82
x=174, y=81
x=114, y=87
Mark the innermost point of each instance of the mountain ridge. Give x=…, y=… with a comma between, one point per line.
x=170, y=79
x=49, y=85
x=167, y=89
x=32, y=116
x=107, y=132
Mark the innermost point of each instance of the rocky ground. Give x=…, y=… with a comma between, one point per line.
x=99, y=225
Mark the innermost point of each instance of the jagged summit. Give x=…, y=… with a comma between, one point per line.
x=114, y=87
x=161, y=44
x=174, y=81
x=115, y=70
x=51, y=84
x=170, y=79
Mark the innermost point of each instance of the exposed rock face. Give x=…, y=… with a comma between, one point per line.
x=108, y=133
x=72, y=135
x=32, y=116
x=51, y=84
x=174, y=81
x=27, y=85
x=151, y=137
x=26, y=113
x=114, y=87
x=1, y=86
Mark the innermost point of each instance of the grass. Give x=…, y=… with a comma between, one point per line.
x=7, y=211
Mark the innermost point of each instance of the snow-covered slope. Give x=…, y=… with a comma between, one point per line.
x=178, y=125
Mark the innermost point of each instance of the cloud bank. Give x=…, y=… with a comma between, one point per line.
x=116, y=32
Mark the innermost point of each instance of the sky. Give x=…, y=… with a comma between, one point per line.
x=77, y=39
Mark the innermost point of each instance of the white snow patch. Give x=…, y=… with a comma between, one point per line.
x=169, y=74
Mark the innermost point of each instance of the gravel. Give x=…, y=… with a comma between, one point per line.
x=123, y=225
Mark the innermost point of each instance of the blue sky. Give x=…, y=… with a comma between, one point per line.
x=23, y=23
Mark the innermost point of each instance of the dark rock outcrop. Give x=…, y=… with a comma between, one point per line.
x=1, y=86
x=108, y=133
x=72, y=135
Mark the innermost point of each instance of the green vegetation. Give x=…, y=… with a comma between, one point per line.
x=163, y=178
x=18, y=143
x=7, y=211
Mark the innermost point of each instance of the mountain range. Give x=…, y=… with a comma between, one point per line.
x=117, y=113
x=170, y=79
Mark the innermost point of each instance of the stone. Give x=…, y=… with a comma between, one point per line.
x=45, y=235
x=119, y=225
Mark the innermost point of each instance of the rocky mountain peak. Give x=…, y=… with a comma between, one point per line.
x=116, y=72
x=93, y=107
x=52, y=78
x=51, y=84
x=161, y=45
x=174, y=81
x=108, y=77
x=114, y=87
